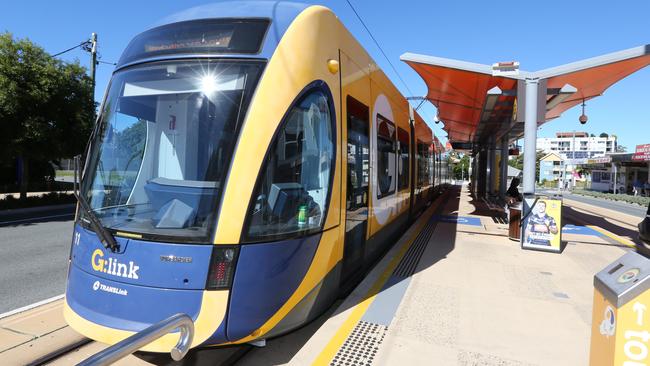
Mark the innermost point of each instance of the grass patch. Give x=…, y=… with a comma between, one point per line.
x=641, y=201
x=35, y=201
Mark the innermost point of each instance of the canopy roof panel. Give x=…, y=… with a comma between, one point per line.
x=591, y=78
x=476, y=102
x=460, y=96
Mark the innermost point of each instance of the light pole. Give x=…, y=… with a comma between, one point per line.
x=615, y=170
x=573, y=162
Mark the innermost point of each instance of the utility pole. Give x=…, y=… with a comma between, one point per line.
x=93, y=63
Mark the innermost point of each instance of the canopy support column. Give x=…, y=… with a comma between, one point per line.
x=503, y=183
x=470, y=170
x=482, y=172
x=493, y=168
x=530, y=135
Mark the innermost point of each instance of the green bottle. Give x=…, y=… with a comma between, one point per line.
x=302, y=215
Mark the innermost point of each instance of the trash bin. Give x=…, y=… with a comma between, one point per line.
x=620, y=330
x=514, y=230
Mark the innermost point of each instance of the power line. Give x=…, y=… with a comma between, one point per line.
x=380, y=49
x=71, y=48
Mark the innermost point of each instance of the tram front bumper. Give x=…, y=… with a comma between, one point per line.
x=112, y=295
x=109, y=311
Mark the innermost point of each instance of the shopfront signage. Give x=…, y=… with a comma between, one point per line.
x=642, y=153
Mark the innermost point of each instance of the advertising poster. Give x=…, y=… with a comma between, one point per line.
x=542, y=229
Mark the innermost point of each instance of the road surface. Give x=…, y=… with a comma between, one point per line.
x=33, y=257
x=622, y=207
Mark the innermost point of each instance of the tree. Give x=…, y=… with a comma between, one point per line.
x=46, y=106
x=603, y=134
x=461, y=168
x=518, y=162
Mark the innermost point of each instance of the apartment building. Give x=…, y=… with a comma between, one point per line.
x=577, y=145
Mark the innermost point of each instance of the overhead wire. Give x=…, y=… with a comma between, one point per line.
x=379, y=46
x=82, y=44
x=71, y=48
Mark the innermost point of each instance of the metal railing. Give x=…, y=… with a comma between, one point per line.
x=129, y=345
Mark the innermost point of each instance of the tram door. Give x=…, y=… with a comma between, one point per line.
x=358, y=177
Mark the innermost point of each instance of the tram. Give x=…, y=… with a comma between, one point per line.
x=249, y=162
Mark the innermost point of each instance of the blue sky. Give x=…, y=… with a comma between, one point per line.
x=535, y=33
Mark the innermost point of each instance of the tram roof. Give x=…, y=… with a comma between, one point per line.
x=477, y=101
x=281, y=14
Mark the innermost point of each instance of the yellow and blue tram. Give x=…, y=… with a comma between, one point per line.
x=249, y=162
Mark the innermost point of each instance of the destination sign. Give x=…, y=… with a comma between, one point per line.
x=202, y=36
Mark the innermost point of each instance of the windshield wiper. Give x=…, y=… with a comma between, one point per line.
x=105, y=236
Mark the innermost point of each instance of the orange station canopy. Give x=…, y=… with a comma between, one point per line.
x=476, y=101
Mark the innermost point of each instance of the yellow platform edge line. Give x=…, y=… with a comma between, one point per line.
x=335, y=343
x=613, y=236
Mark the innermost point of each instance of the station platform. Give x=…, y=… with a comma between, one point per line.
x=454, y=290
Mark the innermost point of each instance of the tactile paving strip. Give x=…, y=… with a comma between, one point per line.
x=409, y=262
x=361, y=346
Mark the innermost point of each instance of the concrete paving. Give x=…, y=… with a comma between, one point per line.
x=488, y=302
x=36, y=333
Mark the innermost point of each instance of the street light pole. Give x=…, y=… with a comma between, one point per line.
x=573, y=162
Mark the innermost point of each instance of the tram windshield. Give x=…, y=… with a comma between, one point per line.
x=166, y=133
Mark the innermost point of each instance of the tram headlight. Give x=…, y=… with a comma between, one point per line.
x=222, y=267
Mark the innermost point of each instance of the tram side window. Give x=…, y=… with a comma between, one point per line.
x=386, y=154
x=403, y=153
x=423, y=164
x=293, y=187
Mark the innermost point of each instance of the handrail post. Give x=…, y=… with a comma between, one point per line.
x=182, y=322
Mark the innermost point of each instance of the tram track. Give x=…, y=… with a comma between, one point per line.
x=54, y=355
x=76, y=352
x=618, y=231
x=599, y=213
